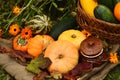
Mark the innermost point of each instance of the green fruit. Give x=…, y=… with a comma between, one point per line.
x=104, y=13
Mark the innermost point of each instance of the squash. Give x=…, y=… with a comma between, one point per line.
x=74, y=36
x=46, y=40
x=68, y=22
x=39, y=43
x=40, y=24
x=64, y=56
x=88, y=6
x=104, y=13
x=35, y=46
x=20, y=43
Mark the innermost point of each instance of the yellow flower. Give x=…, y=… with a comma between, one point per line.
x=16, y=10
x=26, y=33
x=113, y=58
x=14, y=29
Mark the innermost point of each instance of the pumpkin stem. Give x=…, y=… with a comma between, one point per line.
x=73, y=36
x=60, y=56
x=21, y=41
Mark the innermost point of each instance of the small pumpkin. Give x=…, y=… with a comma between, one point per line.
x=74, y=36
x=20, y=43
x=46, y=40
x=38, y=44
x=63, y=54
x=35, y=46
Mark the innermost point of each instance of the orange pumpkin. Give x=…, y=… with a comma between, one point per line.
x=46, y=40
x=35, y=46
x=38, y=43
x=20, y=43
x=63, y=54
x=117, y=11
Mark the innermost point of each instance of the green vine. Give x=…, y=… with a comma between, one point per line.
x=7, y=25
x=55, y=9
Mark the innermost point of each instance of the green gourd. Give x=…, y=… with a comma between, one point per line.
x=104, y=13
x=68, y=22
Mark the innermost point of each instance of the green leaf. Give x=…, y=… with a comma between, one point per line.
x=55, y=5
x=61, y=9
x=38, y=63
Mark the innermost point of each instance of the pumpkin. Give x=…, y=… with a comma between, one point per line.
x=74, y=36
x=63, y=54
x=46, y=40
x=35, y=46
x=38, y=43
x=40, y=24
x=20, y=43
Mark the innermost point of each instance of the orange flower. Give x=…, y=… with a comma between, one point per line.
x=26, y=33
x=86, y=33
x=113, y=58
x=14, y=29
x=16, y=10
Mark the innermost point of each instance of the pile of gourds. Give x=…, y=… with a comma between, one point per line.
x=107, y=10
x=59, y=49
x=54, y=49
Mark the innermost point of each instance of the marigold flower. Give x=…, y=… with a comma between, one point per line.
x=113, y=58
x=86, y=33
x=26, y=33
x=14, y=29
x=16, y=10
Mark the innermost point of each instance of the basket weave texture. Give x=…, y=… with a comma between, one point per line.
x=106, y=30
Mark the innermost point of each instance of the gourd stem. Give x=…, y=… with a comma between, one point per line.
x=60, y=56
x=21, y=41
x=73, y=36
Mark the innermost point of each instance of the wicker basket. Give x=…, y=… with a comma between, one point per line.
x=108, y=31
